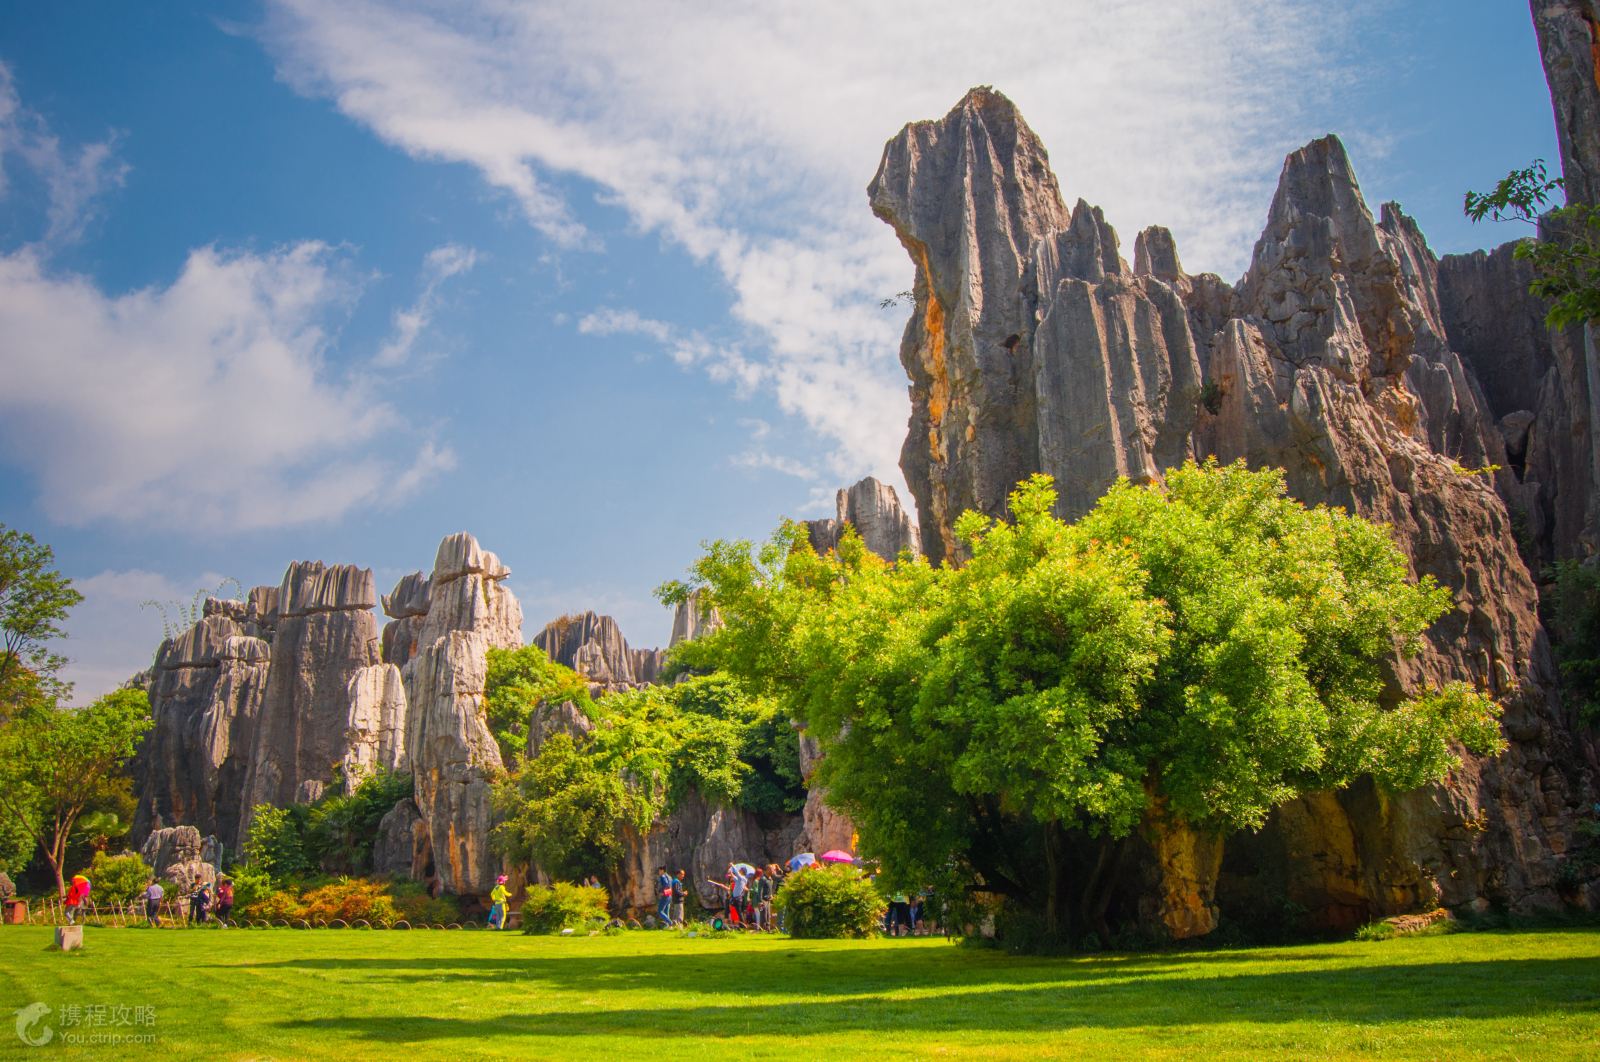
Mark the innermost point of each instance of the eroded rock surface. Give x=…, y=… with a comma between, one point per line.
x=1034, y=347
x=593, y=646
x=453, y=754
x=873, y=509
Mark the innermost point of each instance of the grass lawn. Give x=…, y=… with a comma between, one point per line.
x=348, y=994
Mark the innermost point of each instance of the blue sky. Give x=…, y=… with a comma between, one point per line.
x=295, y=280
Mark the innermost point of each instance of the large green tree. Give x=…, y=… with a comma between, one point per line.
x=34, y=602
x=1190, y=655
x=56, y=763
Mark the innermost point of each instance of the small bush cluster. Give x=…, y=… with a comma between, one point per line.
x=830, y=901
x=118, y=878
x=350, y=899
x=552, y=908
x=418, y=908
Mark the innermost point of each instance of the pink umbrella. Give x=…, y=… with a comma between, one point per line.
x=837, y=856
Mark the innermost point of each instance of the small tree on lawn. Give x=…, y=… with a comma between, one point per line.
x=55, y=763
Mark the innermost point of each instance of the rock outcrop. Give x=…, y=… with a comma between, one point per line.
x=206, y=689
x=452, y=752
x=702, y=838
x=1034, y=347
x=593, y=646
x=325, y=632
x=874, y=510
x=691, y=620
x=180, y=855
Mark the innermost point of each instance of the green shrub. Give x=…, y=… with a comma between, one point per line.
x=552, y=908
x=830, y=901
x=275, y=844
x=250, y=887
x=1375, y=931
x=119, y=878
x=411, y=899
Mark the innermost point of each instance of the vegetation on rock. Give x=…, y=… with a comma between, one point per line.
x=1566, y=255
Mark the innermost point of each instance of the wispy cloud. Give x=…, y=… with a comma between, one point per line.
x=74, y=178
x=745, y=135
x=440, y=265
x=207, y=403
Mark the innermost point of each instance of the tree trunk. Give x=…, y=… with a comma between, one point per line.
x=1052, y=899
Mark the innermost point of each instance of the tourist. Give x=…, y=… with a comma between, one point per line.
x=738, y=887
x=224, y=901
x=763, y=901
x=680, y=898
x=663, y=897
x=199, y=903
x=498, y=898
x=153, y=895
x=77, y=894
x=899, y=914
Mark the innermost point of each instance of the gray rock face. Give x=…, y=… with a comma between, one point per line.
x=324, y=634
x=593, y=646
x=691, y=620
x=1569, y=41
x=180, y=855
x=452, y=752
x=206, y=690
x=403, y=848
x=547, y=719
x=375, y=737
x=874, y=510
x=1033, y=347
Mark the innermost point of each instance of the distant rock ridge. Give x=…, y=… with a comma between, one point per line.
x=1034, y=347
x=874, y=510
x=593, y=646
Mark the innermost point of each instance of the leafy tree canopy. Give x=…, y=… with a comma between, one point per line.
x=518, y=681
x=34, y=601
x=55, y=764
x=567, y=808
x=1565, y=257
x=1196, y=653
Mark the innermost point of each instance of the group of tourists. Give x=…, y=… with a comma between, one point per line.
x=747, y=893
x=203, y=903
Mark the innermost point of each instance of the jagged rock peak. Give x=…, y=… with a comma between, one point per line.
x=691, y=620
x=311, y=586
x=874, y=510
x=593, y=646
x=459, y=554
x=1155, y=254
x=409, y=596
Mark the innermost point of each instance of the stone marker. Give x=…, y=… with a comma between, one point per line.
x=69, y=938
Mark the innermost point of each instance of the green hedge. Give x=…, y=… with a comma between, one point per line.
x=552, y=908
x=830, y=901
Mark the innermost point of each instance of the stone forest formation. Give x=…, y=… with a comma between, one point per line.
x=1422, y=392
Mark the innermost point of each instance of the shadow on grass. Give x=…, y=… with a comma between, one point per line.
x=1033, y=998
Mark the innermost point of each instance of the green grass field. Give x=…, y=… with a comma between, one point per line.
x=348, y=994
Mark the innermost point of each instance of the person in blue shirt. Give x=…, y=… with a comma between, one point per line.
x=664, y=888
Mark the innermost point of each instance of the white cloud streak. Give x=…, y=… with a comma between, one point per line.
x=205, y=404
x=440, y=265
x=73, y=179
x=746, y=133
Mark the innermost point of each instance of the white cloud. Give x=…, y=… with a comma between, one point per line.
x=205, y=404
x=73, y=179
x=440, y=265
x=609, y=322
x=746, y=133
x=761, y=459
